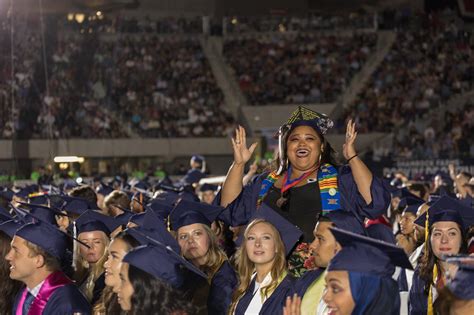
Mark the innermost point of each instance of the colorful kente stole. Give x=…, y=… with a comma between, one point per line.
x=328, y=189
x=51, y=283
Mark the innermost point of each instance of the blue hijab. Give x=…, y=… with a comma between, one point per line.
x=363, y=290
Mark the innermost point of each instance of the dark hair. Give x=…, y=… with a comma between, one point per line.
x=387, y=299
x=85, y=192
x=444, y=301
x=428, y=260
x=8, y=287
x=328, y=155
x=153, y=296
x=420, y=188
x=52, y=263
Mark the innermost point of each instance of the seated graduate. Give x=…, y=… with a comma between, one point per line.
x=35, y=255
x=447, y=221
x=262, y=267
x=359, y=277
x=119, y=246
x=457, y=297
x=151, y=280
x=310, y=286
x=198, y=244
x=93, y=229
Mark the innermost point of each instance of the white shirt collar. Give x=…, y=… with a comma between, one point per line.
x=36, y=289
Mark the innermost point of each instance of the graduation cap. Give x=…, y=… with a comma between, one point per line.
x=76, y=205
x=208, y=187
x=198, y=158
x=447, y=209
x=160, y=208
x=290, y=234
x=46, y=236
x=138, y=218
x=124, y=217
x=462, y=285
x=141, y=186
x=10, y=227
x=192, y=177
x=303, y=116
x=153, y=227
x=43, y=213
x=7, y=194
x=367, y=255
x=104, y=189
x=26, y=191
x=4, y=214
x=94, y=221
x=40, y=199
x=189, y=212
x=411, y=204
x=346, y=220
x=172, y=266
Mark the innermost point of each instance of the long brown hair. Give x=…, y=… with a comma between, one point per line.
x=8, y=287
x=245, y=267
x=429, y=260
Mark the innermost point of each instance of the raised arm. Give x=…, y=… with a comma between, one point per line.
x=233, y=183
x=362, y=175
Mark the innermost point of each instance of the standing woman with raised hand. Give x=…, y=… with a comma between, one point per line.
x=306, y=182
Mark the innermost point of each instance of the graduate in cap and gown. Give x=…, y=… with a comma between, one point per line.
x=307, y=180
x=35, y=255
x=198, y=243
x=264, y=281
x=93, y=229
x=446, y=222
x=149, y=287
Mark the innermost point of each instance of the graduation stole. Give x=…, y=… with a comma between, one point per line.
x=51, y=283
x=328, y=189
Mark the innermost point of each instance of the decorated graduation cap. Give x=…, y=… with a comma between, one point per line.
x=189, y=212
x=290, y=234
x=76, y=205
x=447, y=209
x=26, y=191
x=94, y=221
x=46, y=236
x=104, y=189
x=208, y=187
x=154, y=228
x=462, y=285
x=411, y=204
x=367, y=255
x=172, y=268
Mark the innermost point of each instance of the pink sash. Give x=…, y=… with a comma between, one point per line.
x=51, y=283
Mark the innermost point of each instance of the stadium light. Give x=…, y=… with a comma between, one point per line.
x=68, y=159
x=79, y=17
x=70, y=16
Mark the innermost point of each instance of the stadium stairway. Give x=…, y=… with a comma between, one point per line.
x=385, y=41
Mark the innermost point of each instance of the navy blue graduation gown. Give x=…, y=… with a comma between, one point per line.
x=402, y=281
x=304, y=282
x=222, y=286
x=240, y=210
x=99, y=286
x=418, y=299
x=274, y=304
x=64, y=300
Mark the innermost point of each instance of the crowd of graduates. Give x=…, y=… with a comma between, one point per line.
x=309, y=236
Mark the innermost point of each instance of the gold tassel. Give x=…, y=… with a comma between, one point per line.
x=430, y=294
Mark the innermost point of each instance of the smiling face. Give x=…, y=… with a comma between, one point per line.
x=125, y=289
x=303, y=148
x=338, y=294
x=407, y=224
x=194, y=242
x=97, y=242
x=260, y=244
x=446, y=239
x=117, y=250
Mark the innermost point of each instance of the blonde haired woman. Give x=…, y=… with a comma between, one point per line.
x=264, y=281
x=192, y=223
x=93, y=229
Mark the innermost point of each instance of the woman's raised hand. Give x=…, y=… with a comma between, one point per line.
x=348, y=149
x=242, y=154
